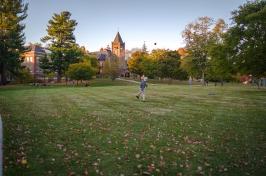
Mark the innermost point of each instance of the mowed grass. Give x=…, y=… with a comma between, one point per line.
x=104, y=130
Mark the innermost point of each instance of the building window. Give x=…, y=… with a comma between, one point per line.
x=29, y=59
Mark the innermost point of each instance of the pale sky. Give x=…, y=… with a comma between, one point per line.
x=160, y=21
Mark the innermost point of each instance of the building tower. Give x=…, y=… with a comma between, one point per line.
x=118, y=47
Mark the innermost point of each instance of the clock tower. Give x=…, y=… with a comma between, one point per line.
x=118, y=47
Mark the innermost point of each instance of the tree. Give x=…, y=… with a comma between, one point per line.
x=198, y=36
x=45, y=65
x=24, y=76
x=81, y=71
x=64, y=49
x=167, y=64
x=160, y=63
x=90, y=59
x=247, y=38
x=219, y=63
x=12, y=38
x=186, y=64
x=135, y=62
x=111, y=67
x=144, y=48
x=149, y=66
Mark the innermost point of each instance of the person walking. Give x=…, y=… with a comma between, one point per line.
x=190, y=81
x=143, y=85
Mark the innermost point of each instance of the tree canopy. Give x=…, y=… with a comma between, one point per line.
x=197, y=36
x=159, y=63
x=63, y=46
x=247, y=38
x=135, y=62
x=207, y=53
x=111, y=67
x=12, y=38
x=81, y=71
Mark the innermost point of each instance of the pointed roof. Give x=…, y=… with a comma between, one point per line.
x=35, y=48
x=118, y=38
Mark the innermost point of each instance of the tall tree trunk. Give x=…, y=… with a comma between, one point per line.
x=3, y=74
x=59, y=75
x=257, y=81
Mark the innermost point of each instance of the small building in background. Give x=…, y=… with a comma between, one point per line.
x=32, y=59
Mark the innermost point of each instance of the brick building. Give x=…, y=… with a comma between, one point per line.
x=32, y=59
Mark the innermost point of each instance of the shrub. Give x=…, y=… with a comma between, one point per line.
x=81, y=71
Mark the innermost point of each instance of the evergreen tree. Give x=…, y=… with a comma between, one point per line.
x=63, y=45
x=45, y=65
x=12, y=38
x=144, y=48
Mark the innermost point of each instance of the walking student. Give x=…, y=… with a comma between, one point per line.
x=143, y=85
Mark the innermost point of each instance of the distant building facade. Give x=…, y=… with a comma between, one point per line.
x=35, y=52
x=32, y=60
x=118, y=49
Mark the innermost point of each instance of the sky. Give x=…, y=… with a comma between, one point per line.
x=152, y=21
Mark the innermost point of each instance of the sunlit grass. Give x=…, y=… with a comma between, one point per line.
x=105, y=130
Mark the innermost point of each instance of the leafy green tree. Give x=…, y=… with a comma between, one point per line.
x=207, y=54
x=247, y=38
x=198, y=36
x=91, y=60
x=111, y=67
x=81, y=71
x=220, y=65
x=186, y=64
x=12, y=39
x=167, y=64
x=160, y=63
x=45, y=65
x=24, y=76
x=135, y=62
x=63, y=46
x=149, y=66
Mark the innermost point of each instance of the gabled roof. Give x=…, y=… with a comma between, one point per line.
x=35, y=48
x=101, y=57
x=118, y=38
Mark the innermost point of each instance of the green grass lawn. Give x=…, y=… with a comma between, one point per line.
x=104, y=130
